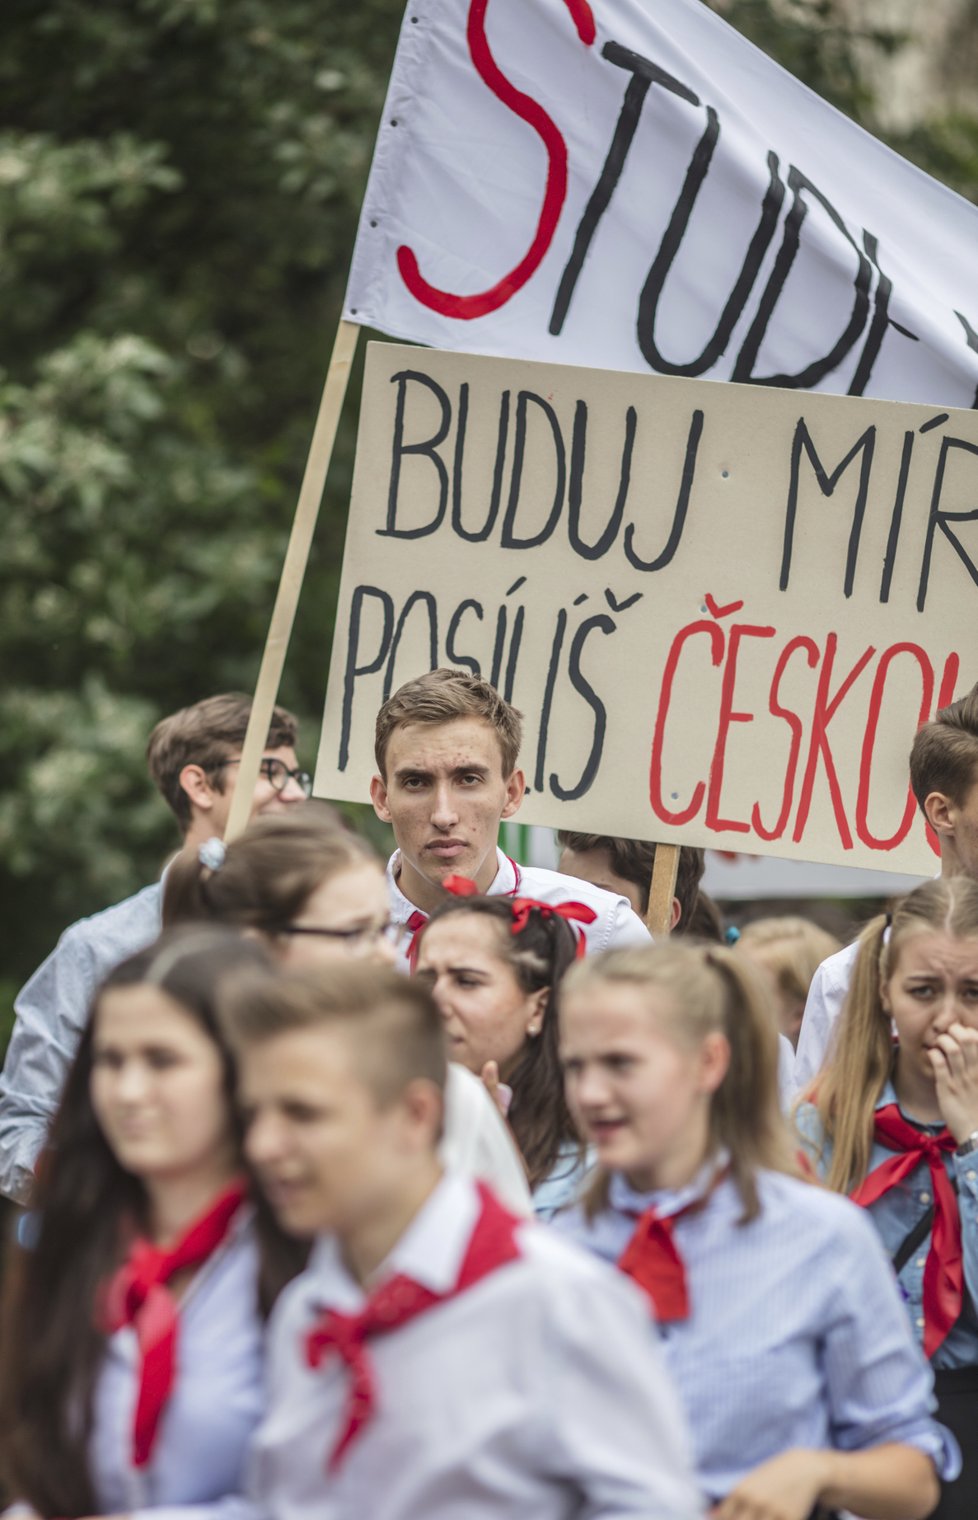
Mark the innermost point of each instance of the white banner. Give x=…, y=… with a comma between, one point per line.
x=630, y=184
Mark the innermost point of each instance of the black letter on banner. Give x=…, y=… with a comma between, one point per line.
x=675, y=232
x=881, y=321
x=508, y=540
x=548, y=698
x=479, y=535
x=747, y=358
x=939, y=519
x=827, y=483
x=644, y=73
x=353, y=670
x=972, y=340
x=578, y=681
x=428, y=447
x=575, y=487
x=450, y=650
x=682, y=505
x=413, y=599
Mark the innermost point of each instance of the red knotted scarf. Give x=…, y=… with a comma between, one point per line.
x=944, y=1269
x=653, y=1259
x=137, y=1295
x=400, y=1299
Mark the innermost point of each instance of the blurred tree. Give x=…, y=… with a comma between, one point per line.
x=179, y=187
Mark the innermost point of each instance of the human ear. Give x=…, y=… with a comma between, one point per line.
x=378, y=796
x=537, y=1011
x=193, y=780
x=939, y=811
x=714, y=1061
x=515, y=787
x=423, y=1104
x=675, y=915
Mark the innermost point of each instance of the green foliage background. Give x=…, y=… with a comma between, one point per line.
x=179, y=189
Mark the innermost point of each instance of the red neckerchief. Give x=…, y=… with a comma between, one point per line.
x=137, y=1295
x=398, y=1300
x=458, y=886
x=944, y=1269
x=652, y=1258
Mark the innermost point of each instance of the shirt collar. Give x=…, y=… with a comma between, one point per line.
x=430, y=1251
x=502, y=883
x=666, y=1201
x=888, y=1095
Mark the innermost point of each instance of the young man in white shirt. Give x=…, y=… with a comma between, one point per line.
x=439, y=1358
x=944, y=780
x=447, y=746
x=192, y=756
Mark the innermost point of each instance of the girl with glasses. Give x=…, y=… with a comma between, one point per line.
x=316, y=893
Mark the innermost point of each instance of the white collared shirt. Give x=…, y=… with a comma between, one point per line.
x=477, y=1140
x=537, y=1392
x=615, y=926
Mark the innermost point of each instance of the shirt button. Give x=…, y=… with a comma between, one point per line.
x=925, y=1198
x=971, y=1176
x=920, y=1324
x=920, y=1262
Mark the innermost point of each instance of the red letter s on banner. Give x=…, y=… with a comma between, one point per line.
x=479, y=305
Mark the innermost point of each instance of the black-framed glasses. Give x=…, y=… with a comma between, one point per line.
x=276, y=772
x=356, y=940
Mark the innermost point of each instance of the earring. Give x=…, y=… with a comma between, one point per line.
x=533, y=1030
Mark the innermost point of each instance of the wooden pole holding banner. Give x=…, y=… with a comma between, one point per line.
x=664, y=867
x=293, y=573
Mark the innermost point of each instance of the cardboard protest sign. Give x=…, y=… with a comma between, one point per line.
x=634, y=185
x=723, y=610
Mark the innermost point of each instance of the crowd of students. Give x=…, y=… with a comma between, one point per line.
x=443, y=1192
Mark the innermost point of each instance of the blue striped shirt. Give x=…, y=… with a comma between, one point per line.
x=796, y=1335
x=899, y=1210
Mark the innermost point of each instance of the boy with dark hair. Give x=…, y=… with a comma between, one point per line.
x=192, y=757
x=446, y=749
x=438, y=1358
x=625, y=866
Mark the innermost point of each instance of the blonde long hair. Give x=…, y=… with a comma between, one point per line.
x=862, y=1057
x=711, y=990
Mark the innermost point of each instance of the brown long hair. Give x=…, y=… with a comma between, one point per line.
x=862, y=1055
x=267, y=875
x=538, y=956
x=52, y=1347
x=711, y=990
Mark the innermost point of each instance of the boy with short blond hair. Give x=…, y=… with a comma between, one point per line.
x=439, y=1359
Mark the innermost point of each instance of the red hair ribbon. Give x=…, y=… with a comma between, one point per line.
x=571, y=912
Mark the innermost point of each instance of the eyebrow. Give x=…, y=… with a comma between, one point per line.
x=404, y=773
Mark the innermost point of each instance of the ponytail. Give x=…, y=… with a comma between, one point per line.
x=712, y=990
x=847, y=1090
x=745, y=1114
x=266, y=876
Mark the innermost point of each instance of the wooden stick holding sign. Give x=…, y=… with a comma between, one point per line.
x=293, y=572
x=664, y=867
